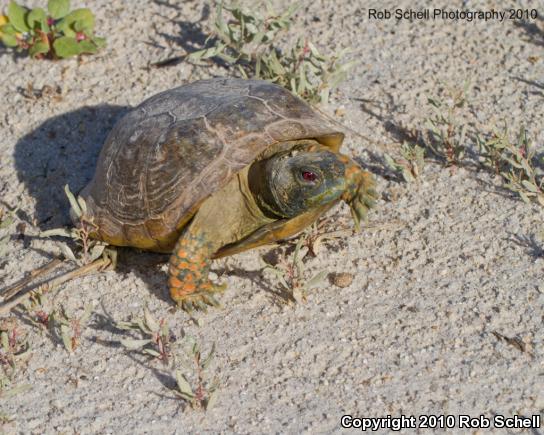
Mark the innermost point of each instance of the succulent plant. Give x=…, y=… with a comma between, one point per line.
x=55, y=33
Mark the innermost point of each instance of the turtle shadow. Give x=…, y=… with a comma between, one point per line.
x=62, y=150
x=147, y=267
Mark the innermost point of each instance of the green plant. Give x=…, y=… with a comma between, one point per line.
x=156, y=340
x=316, y=234
x=202, y=395
x=55, y=33
x=515, y=162
x=87, y=258
x=69, y=328
x=13, y=348
x=90, y=249
x=248, y=39
x=291, y=275
x=34, y=312
x=446, y=132
x=410, y=164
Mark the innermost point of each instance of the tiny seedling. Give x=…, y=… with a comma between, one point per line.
x=291, y=275
x=54, y=33
x=155, y=337
x=68, y=328
x=318, y=233
x=247, y=40
x=515, y=162
x=446, y=133
x=201, y=395
x=410, y=164
x=13, y=349
x=35, y=313
x=91, y=249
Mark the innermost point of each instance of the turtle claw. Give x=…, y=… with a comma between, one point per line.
x=362, y=197
x=202, y=298
x=187, y=306
x=359, y=213
x=201, y=306
x=356, y=219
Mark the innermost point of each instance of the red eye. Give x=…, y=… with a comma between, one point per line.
x=309, y=176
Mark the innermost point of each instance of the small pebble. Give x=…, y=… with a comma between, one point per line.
x=342, y=279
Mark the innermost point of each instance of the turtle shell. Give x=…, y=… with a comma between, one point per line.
x=166, y=156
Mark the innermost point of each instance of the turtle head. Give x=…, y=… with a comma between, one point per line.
x=292, y=182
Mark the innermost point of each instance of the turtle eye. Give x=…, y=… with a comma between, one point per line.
x=309, y=176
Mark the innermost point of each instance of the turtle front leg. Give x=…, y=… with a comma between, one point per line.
x=360, y=192
x=188, y=272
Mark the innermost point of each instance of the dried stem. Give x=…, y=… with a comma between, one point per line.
x=25, y=294
x=16, y=288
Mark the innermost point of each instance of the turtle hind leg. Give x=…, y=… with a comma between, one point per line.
x=188, y=272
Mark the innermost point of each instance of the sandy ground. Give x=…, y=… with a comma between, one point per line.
x=439, y=268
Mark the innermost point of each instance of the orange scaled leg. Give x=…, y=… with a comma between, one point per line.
x=188, y=273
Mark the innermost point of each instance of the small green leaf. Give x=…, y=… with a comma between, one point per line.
x=390, y=162
x=529, y=186
x=37, y=16
x=524, y=197
x=4, y=340
x=143, y=327
x=67, y=252
x=209, y=358
x=65, y=47
x=73, y=202
x=164, y=329
x=9, y=40
x=9, y=29
x=126, y=326
x=150, y=321
x=82, y=204
x=407, y=175
x=96, y=251
x=63, y=26
x=58, y=8
x=39, y=47
x=87, y=46
x=66, y=337
x=316, y=279
x=211, y=401
x=81, y=20
x=99, y=42
x=61, y=232
x=133, y=344
x=88, y=310
x=188, y=397
x=152, y=352
x=16, y=15
x=183, y=385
